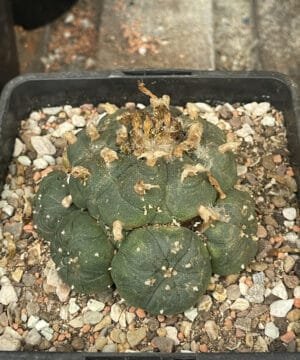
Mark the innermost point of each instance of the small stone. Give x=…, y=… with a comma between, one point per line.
x=106, y=321
x=257, y=310
x=78, y=120
x=289, y=213
x=78, y=343
x=191, y=314
x=288, y=337
x=203, y=107
x=100, y=342
x=278, y=201
x=33, y=338
x=62, y=291
x=243, y=324
x=19, y=148
x=42, y=145
x=110, y=348
x=172, y=334
x=62, y=129
x=28, y=279
x=64, y=313
x=8, y=343
x=279, y=290
x=40, y=164
x=240, y=304
x=130, y=317
x=24, y=160
x=297, y=292
x=291, y=281
x=211, y=329
x=268, y=120
x=47, y=332
x=220, y=293
x=271, y=330
x=255, y=294
x=118, y=336
x=261, y=232
x=32, y=321
x=14, y=228
x=54, y=110
x=293, y=315
x=205, y=303
x=233, y=292
x=73, y=307
x=41, y=324
x=245, y=131
x=77, y=322
x=241, y=170
x=134, y=337
x=288, y=263
x=258, y=278
x=92, y=317
x=17, y=274
x=115, y=312
x=8, y=209
x=260, y=345
x=8, y=293
x=50, y=159
x=95, y=305
x=280, y=308
x=122, y=320
x=163, y=344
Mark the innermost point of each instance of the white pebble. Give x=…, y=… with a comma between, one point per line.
x=172, y=334
x=297, y=292
x=95, y=305
x=19, y=148
x=271, y=330
x=8, y=293
x=32, y=321
x=24, y=160
x=115, y=312
x=291, y=236
x=240, y=304
x=280, y=308
x=8, y=209
x=191, y=314
x=241, y=170
x=289, y=213
x=41, y=324
x=42, y=145
x=52, y=110
x=289, y=224
x=140, y=106
x=268, y=120
x=78, y=120
x=35, y=115
x=73, y=307
x=211, y=118
x=279, y=290
x=50, y=159
x=47, y=332
x=62, y=129
x=245, y=131
x=40, y=164
x=203, y=107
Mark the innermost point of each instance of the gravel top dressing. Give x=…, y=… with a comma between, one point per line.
x=255, y=310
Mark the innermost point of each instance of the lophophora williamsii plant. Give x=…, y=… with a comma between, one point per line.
x=147, y=201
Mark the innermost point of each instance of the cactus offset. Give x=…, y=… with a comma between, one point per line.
x=147, y=175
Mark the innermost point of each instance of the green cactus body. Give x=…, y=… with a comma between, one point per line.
x=82, y=253
x=129, y=179
x=164, y=269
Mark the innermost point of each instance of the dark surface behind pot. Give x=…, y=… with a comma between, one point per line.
x=32, y=92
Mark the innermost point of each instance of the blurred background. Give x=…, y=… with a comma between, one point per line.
x=74, y=35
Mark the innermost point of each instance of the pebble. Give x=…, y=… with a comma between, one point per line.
x=24, y=160
x=268, y=120
x=95, y=305
x=73, y=307
x=8, y=209
x=115, y=312
x=243, y=324
x=100, y=342
x=279, y=290
x=78, y=120
x=14, y=228
x=212, y=329
x=163, y=344
x=203, y=107
x=33, y=337
x=62, y=291
x=92, y=317
x=42, y=145
x=40, y=164
x=233, y=292
x=291, y=281
x=35, y=115
x=130, y=317
x=296, y=292
x=205, y=303
x=280, y=308
x=294, y=315
x=220, y=293
x=78, y=343
x=241, y=170
x=50, y=159
x=261, y=232
x=77, y=322
x=41, y=324
x=255, y=294
x=245, y=131
x=28, y=279
x=47, y=332
x=271, y=330
x=289, y=213
x=191, y=314
x=288, y=263
x=8, y=343
x=19, y=148
x=240, y=304
x=118, y=336
x=134, y=337
x=54, y=110
x=172, y=334
x=62, y=129
x=260, y=345
x=243, y=287
x=106, y=321
x=258, y=278
x=110, y=348
x=32, y=321
x=8, y=293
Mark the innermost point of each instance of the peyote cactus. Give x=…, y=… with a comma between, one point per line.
x=147, y=201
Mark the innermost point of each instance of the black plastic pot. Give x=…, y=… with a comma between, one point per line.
x=29, y=92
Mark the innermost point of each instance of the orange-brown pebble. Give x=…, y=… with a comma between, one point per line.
x=28, y=228
x=288, y=337
x=106, y=310
x=290, y=171
x=296, y=228
x=239, y=333
x=86, y=328
x=228, y=324
x=46, y=171
x=91, y=339
x=36, y=176
x=140, y=313
x=277, y=158
x=180, y=336
x=15, y=326
x=61, y=337
x=248, y=281
x=39, y=281
x=203, y=348
x=281, y=255
x=297, y=303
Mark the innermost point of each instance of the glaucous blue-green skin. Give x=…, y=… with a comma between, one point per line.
x=147, y=254
x=83, y=253
x=232, y=244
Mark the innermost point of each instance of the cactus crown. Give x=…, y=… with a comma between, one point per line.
x=136, y=181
